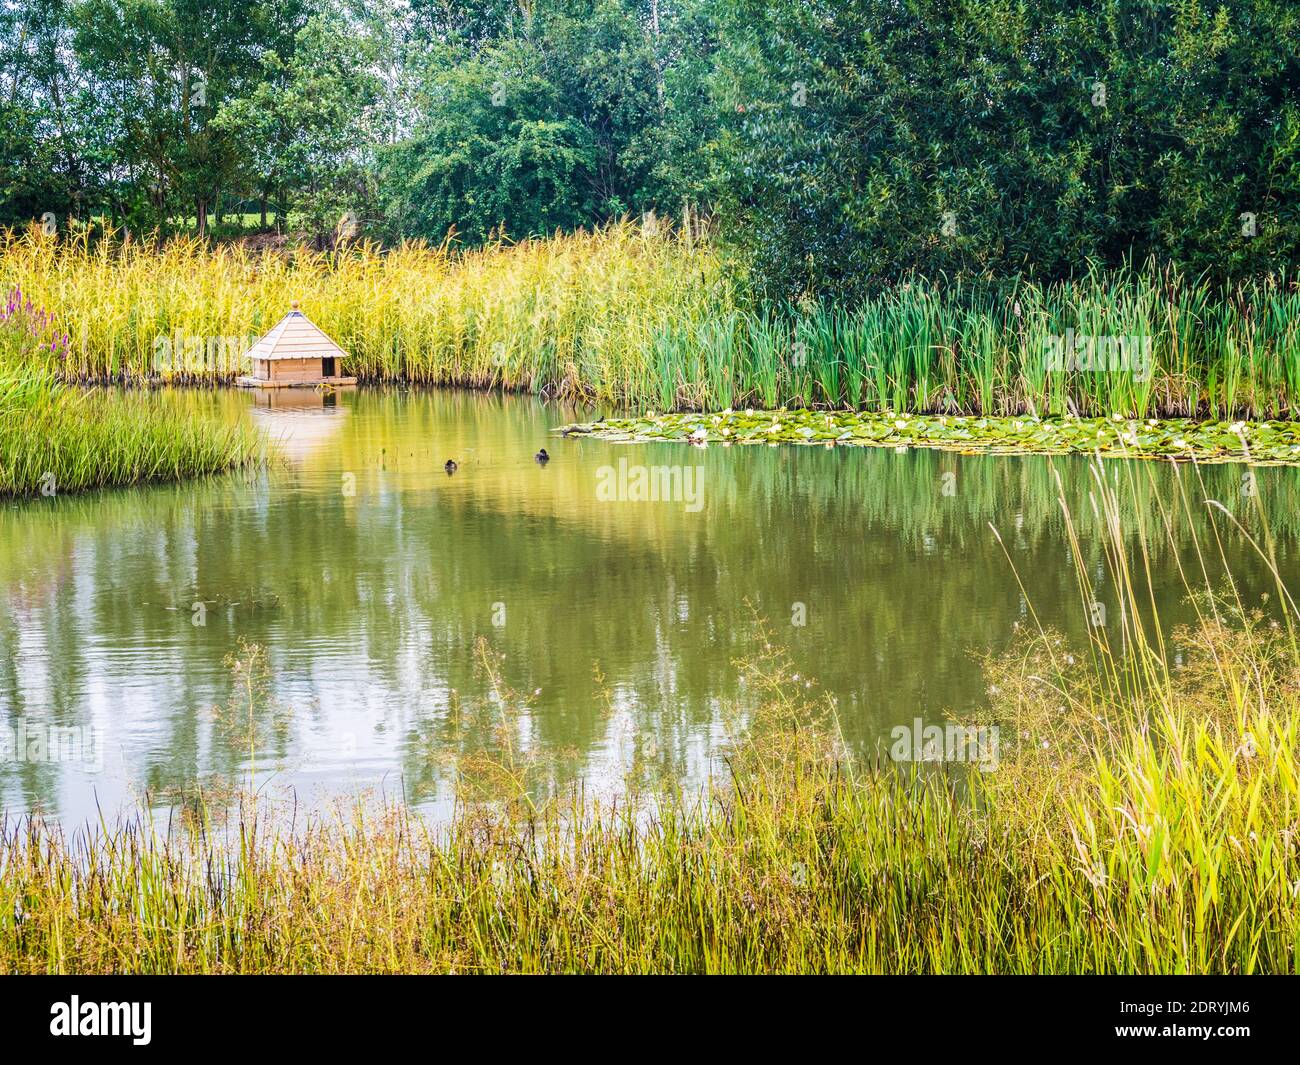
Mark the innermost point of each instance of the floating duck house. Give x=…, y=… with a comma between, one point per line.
x=295, y=354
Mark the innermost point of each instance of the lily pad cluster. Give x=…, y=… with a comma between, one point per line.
x=1269, y=442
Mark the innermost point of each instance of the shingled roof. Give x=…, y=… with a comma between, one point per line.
x=295, y=336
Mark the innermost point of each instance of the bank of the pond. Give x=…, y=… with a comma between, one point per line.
x=1139, y=833
x=58, y=438
x=636, y=319
x=1180, y=438
x=575, y=314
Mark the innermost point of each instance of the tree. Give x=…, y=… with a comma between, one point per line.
x=865, y=138
x=312, y=122
x=557, y=117
x=157, y=72
x=41, y=169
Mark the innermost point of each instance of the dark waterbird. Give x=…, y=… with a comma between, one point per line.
x=542, y=457
x=450, y=466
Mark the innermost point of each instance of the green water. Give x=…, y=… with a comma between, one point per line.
x=369, y=574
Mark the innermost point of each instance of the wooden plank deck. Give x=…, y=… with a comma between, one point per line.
x=257, y=382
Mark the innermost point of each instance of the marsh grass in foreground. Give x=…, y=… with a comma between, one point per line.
x=1170, y=848
x=1258, y=442
x=1144, y=816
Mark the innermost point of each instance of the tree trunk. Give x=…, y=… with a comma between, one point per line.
x=201, y=214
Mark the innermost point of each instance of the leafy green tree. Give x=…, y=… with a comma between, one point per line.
x=489, y=153
x=41, y=169
x=311, y=123
x=864, y=138
x=563, y=114
x=157, y=72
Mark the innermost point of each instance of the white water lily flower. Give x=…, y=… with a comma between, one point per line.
x=1117, y=417
x=1238, y=427
x=700, y=433
x=900, y=424
x=1180, y=442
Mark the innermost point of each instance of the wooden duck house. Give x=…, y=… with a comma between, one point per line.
x=295, y=354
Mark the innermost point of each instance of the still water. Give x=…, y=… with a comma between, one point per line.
x=369, y=576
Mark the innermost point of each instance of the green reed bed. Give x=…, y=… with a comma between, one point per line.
x=56, y=438
x=640, y=320
x=1140, y=343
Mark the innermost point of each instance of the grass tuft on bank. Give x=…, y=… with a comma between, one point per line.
x=57, y=438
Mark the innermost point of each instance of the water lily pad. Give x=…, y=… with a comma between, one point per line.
x=1179, y=438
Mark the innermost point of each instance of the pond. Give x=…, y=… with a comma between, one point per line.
x=616, y=600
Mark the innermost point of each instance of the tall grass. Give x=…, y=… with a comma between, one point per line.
x=56, y=438
x=649, y=320
x=573, y=313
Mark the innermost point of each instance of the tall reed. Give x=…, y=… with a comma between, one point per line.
x=647, y=320
x=574, y=313
x=55, y=437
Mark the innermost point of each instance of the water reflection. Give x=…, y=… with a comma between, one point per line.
x=369, y=574
x=301, y=421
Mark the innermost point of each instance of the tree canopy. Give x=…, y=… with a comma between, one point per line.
x=836, y=144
